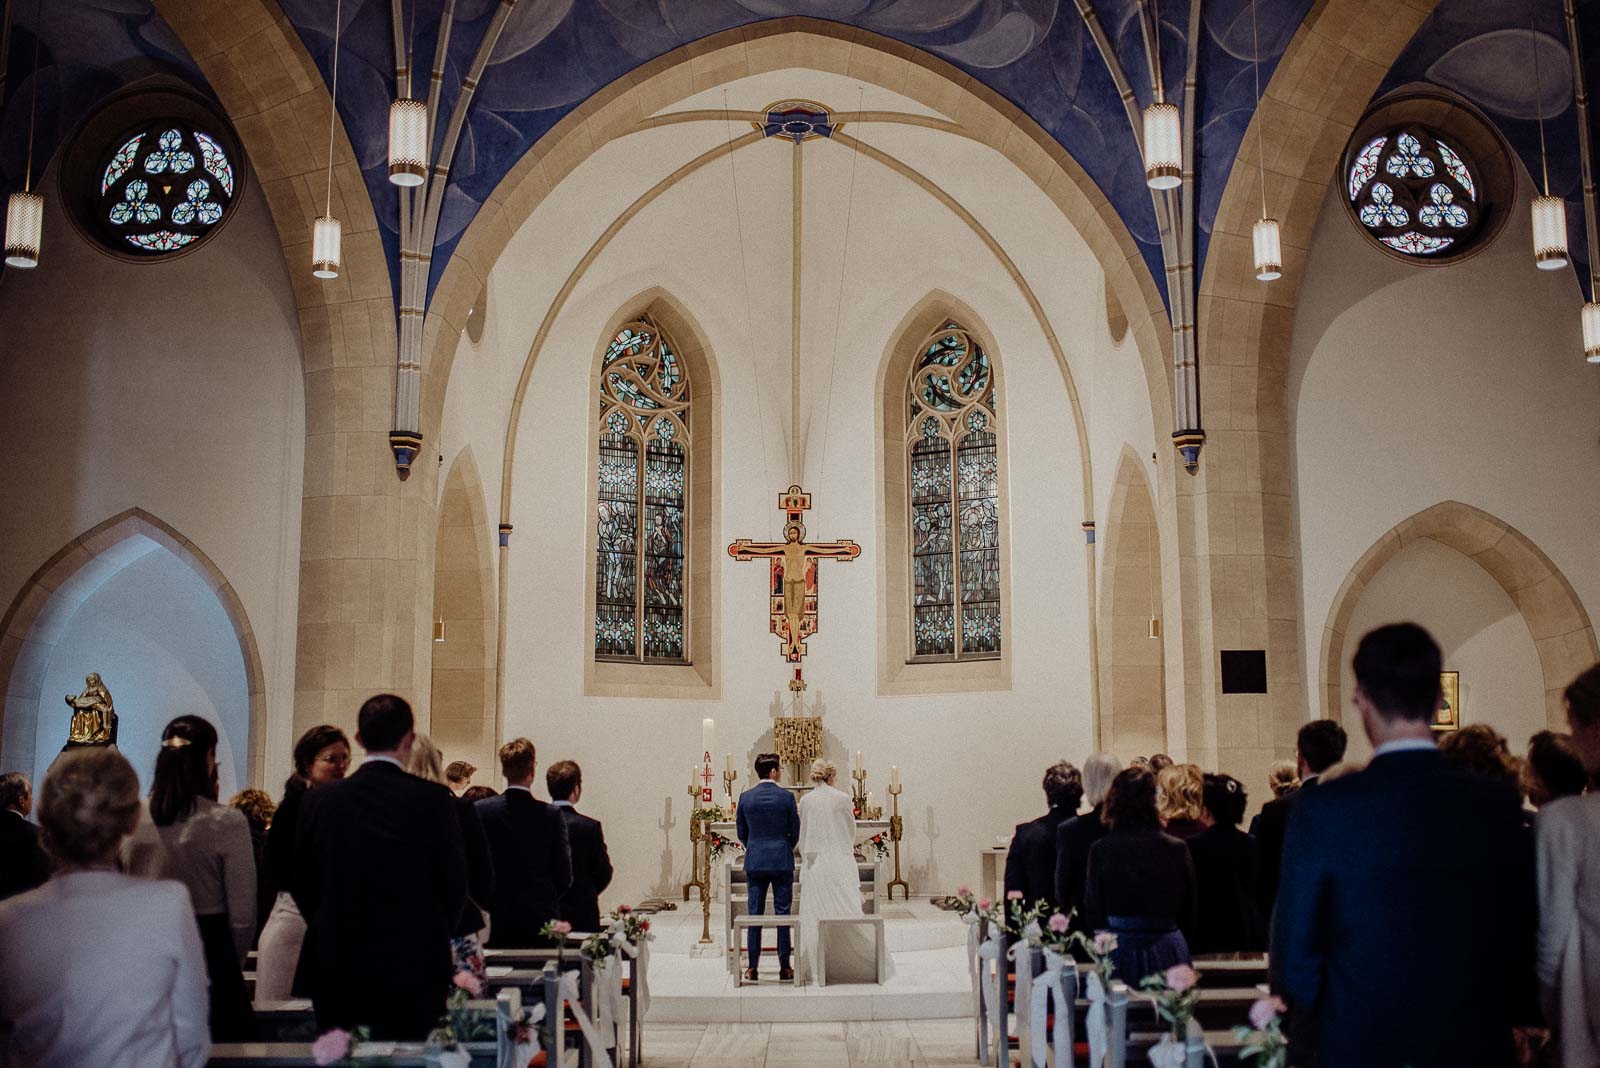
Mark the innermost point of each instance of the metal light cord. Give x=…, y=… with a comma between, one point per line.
x=333, y=107
x=1538, y=91
x=33, y=104
x=1261, y=116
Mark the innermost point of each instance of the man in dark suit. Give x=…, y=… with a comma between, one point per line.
x=769, y=828
x=380, y=874
x=1031, y=862
x=23, y=861
x=1379, y=944
x=532, y=855
x=1319, y=746
x=591, y=864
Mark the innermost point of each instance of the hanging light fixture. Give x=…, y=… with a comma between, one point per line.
x=327, y=234
x=25, y=210
x=1549, y=213
x=1591, y=332
x=1163, y=128
x=1265, y=236
x=408, y=141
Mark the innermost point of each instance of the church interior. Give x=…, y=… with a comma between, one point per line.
x=1115, y=366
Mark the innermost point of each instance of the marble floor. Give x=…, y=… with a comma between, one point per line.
x=944, y=1043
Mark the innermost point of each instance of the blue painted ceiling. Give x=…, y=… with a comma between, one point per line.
x=554, y=54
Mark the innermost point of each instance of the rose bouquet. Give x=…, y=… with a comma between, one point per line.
x=1263, y=1037
x=1174, y=993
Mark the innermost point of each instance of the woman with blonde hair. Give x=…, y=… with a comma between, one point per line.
x=1180, y=800
x=831, y=882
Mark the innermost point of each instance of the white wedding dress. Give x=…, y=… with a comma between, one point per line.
x=830, y=888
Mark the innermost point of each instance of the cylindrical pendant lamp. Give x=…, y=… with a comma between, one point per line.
x=326, y=237
x=1269, y=249
x=1163, y=146
x=408, y=141
x=1591, y=332
x=24, y=229
x=1549, y=233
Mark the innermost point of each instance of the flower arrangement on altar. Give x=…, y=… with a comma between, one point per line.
x=1174, y=993
x=719, y=844
x=880, y=846
x=709, y=814
x=1263, y=1037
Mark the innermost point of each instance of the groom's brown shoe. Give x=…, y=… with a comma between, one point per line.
x=786, y=975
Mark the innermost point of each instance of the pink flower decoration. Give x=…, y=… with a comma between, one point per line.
x=985, y=904
x=963, y=891
x=470, y=983
x=1264, y=1011
x=1181, y=977
x=561, y=927
x=1105, y=942
x=1059, y=923
x=1013, y=895
x=623, y=910
x=332, y=1047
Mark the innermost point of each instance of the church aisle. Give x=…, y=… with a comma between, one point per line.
x=865, y=1044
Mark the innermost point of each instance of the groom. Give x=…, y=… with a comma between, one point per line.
x=769, y=827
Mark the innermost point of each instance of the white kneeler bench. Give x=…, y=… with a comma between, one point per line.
x=880, y=955
x=744, y=923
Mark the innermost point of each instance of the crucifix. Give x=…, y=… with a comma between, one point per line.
x=793, y=593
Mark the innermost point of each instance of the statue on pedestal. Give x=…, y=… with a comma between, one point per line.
x=94, y=718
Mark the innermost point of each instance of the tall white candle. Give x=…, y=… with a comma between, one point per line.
x=730, y=763
x=858, y=760
x=708, y=735
x=894, y=775
x=694, y=778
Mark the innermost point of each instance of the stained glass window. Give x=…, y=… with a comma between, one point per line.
x=164, y=188
x=642, y=479
x=953, y=466
x=1414, y=193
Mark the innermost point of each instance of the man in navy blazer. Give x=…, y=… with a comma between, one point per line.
x=1405, y=918
x=769, y=828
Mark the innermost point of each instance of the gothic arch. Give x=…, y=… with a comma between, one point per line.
x=33, y=624
x=462, y=716
x=1562, y=633
x=1133, y=706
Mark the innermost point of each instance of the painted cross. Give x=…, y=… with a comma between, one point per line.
x=793, y=592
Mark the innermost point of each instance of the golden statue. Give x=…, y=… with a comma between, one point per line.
x=94, y=719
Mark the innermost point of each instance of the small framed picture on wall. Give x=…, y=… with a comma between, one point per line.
x=1448, y=715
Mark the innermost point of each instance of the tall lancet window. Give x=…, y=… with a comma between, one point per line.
x=954, y=487
x=641, y=518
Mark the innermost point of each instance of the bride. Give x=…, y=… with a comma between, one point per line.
x=830, y=885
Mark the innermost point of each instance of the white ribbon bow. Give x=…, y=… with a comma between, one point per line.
x=591, y=1033
x=1048, y=984
x=1095, y=1024
x=991, y=986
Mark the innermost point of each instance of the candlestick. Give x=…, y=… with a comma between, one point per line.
x=896, y=832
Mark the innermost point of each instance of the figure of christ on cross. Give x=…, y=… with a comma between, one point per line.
x=794, y=572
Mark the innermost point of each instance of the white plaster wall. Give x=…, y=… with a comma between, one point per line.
x=175, y=387
x=1410, y=386
x=734, y=281
x=160, y=640
x=1479, y=630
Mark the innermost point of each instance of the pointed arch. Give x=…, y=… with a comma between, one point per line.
x=37, y=618
x=462, y=707
x=1563, y=635
x=1133, y=707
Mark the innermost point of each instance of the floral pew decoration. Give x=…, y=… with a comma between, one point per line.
x=1263, y=1037
x=1174, y=992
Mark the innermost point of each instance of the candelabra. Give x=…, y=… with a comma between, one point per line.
x=728, y=779
x=896, y=830
x=699, y=869
x=860, y=792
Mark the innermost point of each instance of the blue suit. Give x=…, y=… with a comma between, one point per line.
x=769, y=827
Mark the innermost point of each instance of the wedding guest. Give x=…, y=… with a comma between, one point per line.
x=1031, y=861
x=320, y=757
x=1075, y=836
x=208, y=847
x=1228, y=920
x=1384, y=871
x=1282, y=777
x=1180, y=800
x=466, y=948
x=1160, y=762
x=532, y=853
x=475, y=794
x=1319, y=745
x=380, y=874
x=1569, y=906
x=98, y=967
x=258, y=810
x=591, y=863
x=1553, y=770
x=1141, y=883
x=458, y=776
x=23, y=861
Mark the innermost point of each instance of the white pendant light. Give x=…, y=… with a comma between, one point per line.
x=327, y=233
x=1163, y=146
x=24, y=229
x=1591, y=332
x=408, y=141
x=1549, y=232
x=1269, y=250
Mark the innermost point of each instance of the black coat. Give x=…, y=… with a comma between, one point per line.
x=1140, y=873
x=532, y=864
x=1268, y=829
x=591, y=870
x=1228, y=920
x=380, y=874
x=1031, y=862
x=1074, y=837
x=480, y=868
x=1406, y=914
x=23, y=862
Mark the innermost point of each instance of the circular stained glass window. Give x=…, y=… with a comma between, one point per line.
x=165, y=187
x=1415, y=193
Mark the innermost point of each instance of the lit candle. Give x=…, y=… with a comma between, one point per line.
x=858, y=760
x=708, y=735
x=894, y=775
x=869, y=801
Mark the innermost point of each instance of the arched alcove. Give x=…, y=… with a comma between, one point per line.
x=462, y=706
x=1133, y=707
x=1563, y=636
x=137, y=602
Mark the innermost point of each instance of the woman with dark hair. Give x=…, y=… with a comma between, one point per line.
x=1229, y=920
x=1553, y=769
x=320, y=756
x=1141, y=884
x=208, y=848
